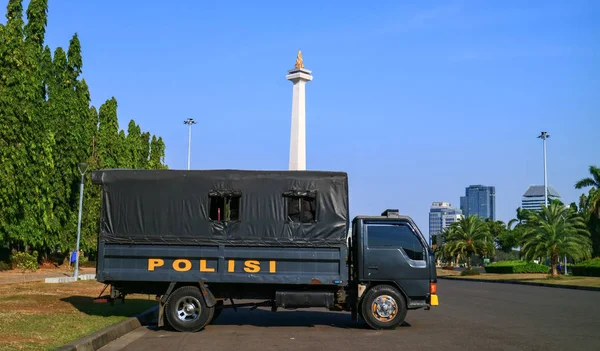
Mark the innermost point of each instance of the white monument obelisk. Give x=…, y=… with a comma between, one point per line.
x=299, y=76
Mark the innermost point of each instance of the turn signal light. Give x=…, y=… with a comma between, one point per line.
x=433, y=288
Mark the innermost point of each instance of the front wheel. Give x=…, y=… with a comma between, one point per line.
x=186, y=310
x=383, y=307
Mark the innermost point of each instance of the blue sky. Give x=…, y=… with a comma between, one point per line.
x=415, y=100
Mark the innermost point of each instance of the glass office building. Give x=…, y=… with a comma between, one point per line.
x=479, y=200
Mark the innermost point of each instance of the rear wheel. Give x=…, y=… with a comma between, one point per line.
x=383, y=307
x=186, y=310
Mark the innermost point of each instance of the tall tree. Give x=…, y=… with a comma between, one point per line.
x=554, y=232
x=107, y=140
x=470, y=236
x=593, y=200
x=27, y=158
x=134, y=144
x=157, y=153
x=590, y=205
x=145, y=151
x=47, y=127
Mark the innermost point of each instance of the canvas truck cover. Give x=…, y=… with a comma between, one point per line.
x=269, y=208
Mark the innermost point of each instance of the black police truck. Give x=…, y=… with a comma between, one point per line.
x=201, y=239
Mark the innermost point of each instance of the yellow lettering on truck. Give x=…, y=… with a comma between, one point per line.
x=203, y=267
x=187, y=265
x=252, y=266
x=155, y=262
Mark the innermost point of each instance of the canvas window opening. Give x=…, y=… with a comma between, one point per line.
x=225, y=207
x=301, y=207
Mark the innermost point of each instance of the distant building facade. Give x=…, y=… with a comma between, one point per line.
x=479, y=200
x=441, y=215
x=533, y=199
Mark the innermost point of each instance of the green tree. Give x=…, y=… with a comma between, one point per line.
x=157, y=153
x=590, y=206
x=145, y=151
x=47, y=127
x=593, y=200
x=470, y=236
x=442, y=250
x=554, y=232
x=25, y=141
x=107, y=140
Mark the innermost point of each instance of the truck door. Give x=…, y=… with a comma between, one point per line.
x=394, y=252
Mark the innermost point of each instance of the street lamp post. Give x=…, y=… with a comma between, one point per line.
x=189, y=122
x=545, y=136
x=82, y=167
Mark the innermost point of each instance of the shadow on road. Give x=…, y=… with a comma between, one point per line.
x=130, y=308
x=292, y=318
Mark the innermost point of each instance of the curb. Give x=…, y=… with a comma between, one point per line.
x=70, y=279
x=104, y=336
x=516, y=282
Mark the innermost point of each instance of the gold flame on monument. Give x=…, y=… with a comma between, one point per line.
x=299, y=62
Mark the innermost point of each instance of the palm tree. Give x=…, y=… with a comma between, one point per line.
x=442, y=252
x=556, y=231
x=592, y=202
x=468, y=236
x=590, y=205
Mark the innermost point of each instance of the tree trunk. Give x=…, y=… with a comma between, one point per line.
x=469, y=261
x=554, y=262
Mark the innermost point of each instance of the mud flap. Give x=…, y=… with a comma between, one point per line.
x=209, y=298
x=161, y=305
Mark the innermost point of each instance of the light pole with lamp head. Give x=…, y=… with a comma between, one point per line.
x=189, y=122
x=82, y=167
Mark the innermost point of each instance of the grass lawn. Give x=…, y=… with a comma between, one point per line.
x=533, y=277
x=40, y=316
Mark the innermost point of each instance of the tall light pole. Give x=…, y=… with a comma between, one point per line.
x=545, y=136
x=189, y=122
x=82, y=167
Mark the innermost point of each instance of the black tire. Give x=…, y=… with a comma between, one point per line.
x=218, y=310
x=186, y=310
x=383, y=307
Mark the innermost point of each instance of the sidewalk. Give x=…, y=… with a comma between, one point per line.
x=15, y=276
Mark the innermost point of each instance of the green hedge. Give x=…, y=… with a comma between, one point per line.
x=589, y=268
x=509, y=267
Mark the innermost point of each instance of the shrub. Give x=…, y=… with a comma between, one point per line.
x=4, y=266
x=589, y=268
x=25, y=261
x=469, y=272
x=508, y=267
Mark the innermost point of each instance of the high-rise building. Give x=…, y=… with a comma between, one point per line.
x=479, y=200
x=533, y=199
x=441, y=215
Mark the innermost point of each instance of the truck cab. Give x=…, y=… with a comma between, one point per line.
x=392, y=267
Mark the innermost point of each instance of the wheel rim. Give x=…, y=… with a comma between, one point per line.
x=384, y=308
x=188, y=309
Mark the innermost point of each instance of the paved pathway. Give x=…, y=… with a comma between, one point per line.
x=471, y=316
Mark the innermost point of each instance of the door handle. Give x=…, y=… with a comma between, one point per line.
x=373, y=267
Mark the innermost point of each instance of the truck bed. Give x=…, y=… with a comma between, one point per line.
x=221, y=264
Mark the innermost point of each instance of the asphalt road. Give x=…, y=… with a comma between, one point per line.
x=471, y=316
